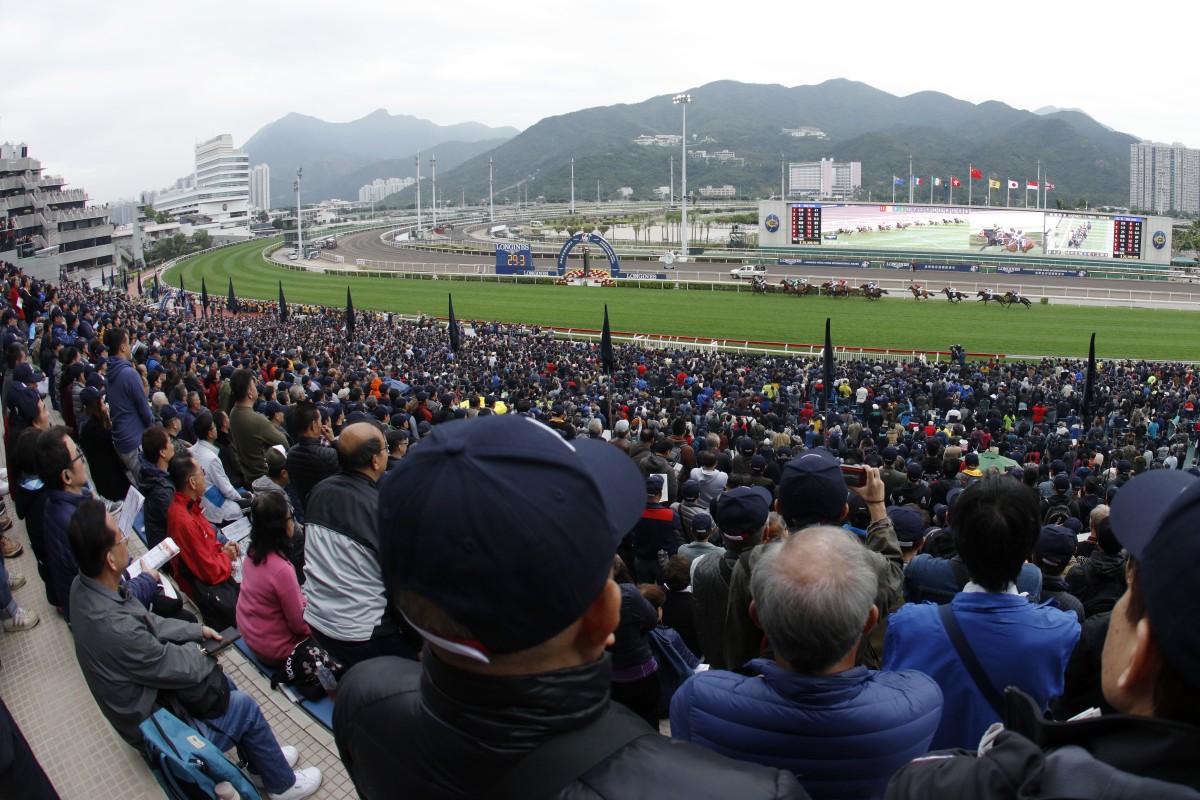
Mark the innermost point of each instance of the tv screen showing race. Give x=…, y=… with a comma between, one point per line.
x=1085, y=235
x=806, y=224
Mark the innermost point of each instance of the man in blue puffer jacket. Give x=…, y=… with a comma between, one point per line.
x=842, y=729
x=127, y=402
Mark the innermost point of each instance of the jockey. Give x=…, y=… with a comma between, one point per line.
x=804, y=281
x=951, y=290
x=988, y=292
x=843, y=283
x=1016, y=294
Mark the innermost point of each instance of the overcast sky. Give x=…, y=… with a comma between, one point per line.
x=114, y=95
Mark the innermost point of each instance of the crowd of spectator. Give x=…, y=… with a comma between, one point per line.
x=815, y=584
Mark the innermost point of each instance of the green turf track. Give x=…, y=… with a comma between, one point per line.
x=899, y=323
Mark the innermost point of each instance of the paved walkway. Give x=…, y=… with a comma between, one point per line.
x=43, y=687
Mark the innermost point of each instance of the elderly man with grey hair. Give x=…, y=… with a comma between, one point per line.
x=814, y=597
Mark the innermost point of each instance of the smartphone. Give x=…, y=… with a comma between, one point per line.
x=855, y=475
x=228, y=637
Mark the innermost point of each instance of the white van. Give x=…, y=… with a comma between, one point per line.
x=749, y=271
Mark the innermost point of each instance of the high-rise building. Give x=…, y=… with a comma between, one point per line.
x=260, y=187
x=824, y=179
x=44, y=225
x=1164, y=178
x=218, y=190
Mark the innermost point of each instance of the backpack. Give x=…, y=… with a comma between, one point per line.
x=187, y=765
x=1056, y=515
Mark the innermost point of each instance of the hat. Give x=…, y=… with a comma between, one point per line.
x=273, y=408
x=952, y=497
x=742, y=512
x=654, y=485
x=1062, y=482
x=746, y=445
x=909, y=525
x=889, y=454
x=24, y=401
x=1055, y=545
x=758, y=463
x=915, y=471
x=168, y=413
x=23, y=373
x=690, y=490
x=89, y=393
x=811, y=484
x=459, y=516
x=1155, y=517
x=1124, y=466
x=1057, y=466
x=701, y=523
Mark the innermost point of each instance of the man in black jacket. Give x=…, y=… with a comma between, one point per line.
x=309, y=461
x=1150, y=674
x=511, y=664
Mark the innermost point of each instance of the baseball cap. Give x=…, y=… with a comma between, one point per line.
x=758, y=463
x=621, y=426
x=690, y=490
x=1057, y=466
x=1155, y=517
x=909, y=525
x=812, y=484
x=23, y=373
x=702, y=523
x=273, y=408
x=746, y=445
x=90, y=393
x=460, y=515
x=1062, y=482
x=915, y=471
x=742, y=512
x=654, y=485
x=168, y=413
x=1055, y=545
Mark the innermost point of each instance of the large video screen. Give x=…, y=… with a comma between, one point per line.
x=1008, y=231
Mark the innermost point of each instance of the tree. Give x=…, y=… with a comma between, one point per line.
x=201, y=240
x=262, y=216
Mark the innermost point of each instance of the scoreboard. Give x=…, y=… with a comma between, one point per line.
x=806, y=223
x=1127, y=237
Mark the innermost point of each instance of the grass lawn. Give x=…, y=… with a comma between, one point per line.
x=899, y=323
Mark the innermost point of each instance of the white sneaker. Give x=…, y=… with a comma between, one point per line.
x=308, y=780
x=290, y=754
x=23, y=620
x=15, y=580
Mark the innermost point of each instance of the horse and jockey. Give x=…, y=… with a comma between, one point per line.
x=953, y=295
x=919, y=293
x=872, y=290
x=799, y=287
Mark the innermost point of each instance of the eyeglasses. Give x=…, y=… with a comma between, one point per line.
x=78, y=456
x=121, y=540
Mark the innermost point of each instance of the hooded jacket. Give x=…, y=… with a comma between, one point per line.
x=127, y=404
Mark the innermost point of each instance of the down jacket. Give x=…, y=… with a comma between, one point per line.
x=843, y=735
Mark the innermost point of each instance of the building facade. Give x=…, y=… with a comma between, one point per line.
x=1164, y=178
x=824, y=179
x=219, y=189
x=260, y=187
x=44, y=225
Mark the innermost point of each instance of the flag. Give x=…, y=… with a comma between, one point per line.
x=976, y=174
x=232, y=302
x=955, y=182
x=827, y=389
x=897, y=181
x=1013, y=184
x=937, y=181
x=139, y=284
x=1030, y=185
x=183, y=297
x=349, y=313
x=203, y=298
x=1089, y=385
x=606, y=351
x=918, y=181
x=283, y=309
x=993, y=184
x=453, y=327
x=1048, y=186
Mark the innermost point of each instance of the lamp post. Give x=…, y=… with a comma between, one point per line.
x=491, y=204
x=572, y=187
x=433, y=180
x=418, y=190
x=299, y=217
x=683, y=100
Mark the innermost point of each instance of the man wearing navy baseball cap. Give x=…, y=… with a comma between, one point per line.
x=497, y=540
x=1150, y=674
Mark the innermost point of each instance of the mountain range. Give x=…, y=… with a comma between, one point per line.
x=1084, y=159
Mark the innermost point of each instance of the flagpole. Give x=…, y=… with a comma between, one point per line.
x=893, y=190
x=1037, y=197
x=952, y=190
x=931, y=180
x=910, y=180
x=1008, y=195
x=971, y=185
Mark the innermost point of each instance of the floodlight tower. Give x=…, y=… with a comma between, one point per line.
x=683, y=100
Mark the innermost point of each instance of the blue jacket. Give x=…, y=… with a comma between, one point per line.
x=931, y=579
x=843, y=735
x=127, y=405
x=1018, y=643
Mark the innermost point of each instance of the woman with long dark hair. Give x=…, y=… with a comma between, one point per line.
x=96, y=442
x=270, y=609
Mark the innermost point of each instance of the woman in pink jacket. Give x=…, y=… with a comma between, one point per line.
x=270, y=609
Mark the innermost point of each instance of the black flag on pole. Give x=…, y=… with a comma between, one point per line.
x=283, y=309
x=232, y=302
x=203, y=298
x=139, y=284
x=454, y=342
x=827, y=388
x=349, y=313
x=606, y=351
x=183, y=295
x=1089, y=385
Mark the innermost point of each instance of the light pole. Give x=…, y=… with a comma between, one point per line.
x=491, y=204
x=433, y=189
x=671, y=196
x=683, y=100
x=299, y=217
x=418, y=190
x=572, y=187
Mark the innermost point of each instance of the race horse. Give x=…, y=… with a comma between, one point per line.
x=1011, y=299
x=987, y=296
x=760, y=286
x=919, y=293
x=872, y=292
x=836, y=288
x=793, y=286
x=953, y=295
x=1010, y=241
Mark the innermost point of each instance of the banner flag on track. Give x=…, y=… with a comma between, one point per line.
x=827, y=389
x=139, y=284
x=349, y=314
x=606, y=350
x=454, y=342
x=1089, y=383
x=203, y=298
x=283, y=309
x=232, y=303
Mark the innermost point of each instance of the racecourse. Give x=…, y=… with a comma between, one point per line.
x=894, y=322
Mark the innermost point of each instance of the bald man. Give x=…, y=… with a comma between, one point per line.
x=347, y=605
